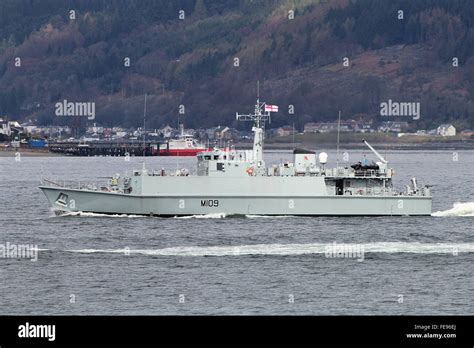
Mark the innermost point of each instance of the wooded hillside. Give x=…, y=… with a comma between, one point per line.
x=192, y=61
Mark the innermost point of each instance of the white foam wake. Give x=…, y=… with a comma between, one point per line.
x=223, y=215
x=267, y=216
x=204, y=216
x=293, y=249
x=85, y=214
x=458, y=209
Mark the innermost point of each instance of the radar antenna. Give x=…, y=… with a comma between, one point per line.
x=259, y=117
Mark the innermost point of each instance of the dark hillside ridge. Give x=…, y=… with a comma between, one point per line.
x=191, y=62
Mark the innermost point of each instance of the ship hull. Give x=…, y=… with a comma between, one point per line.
x=242, y=204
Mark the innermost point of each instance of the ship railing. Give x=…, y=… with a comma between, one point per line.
x=366, y=173
x=346, y=172
x=386, y=192
x=70, y=184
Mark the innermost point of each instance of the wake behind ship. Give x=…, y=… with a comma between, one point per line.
x=238, y=182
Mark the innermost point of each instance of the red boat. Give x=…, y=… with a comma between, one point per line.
x=185, y=145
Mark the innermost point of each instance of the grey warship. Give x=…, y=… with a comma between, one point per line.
x=237, y=182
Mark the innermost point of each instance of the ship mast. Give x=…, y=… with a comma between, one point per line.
x=258, y=117
x=144, y=136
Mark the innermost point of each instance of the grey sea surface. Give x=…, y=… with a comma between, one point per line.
x=125, y=265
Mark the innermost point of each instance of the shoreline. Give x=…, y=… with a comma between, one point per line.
x=27, y=153
x=468, y=145
x=442, y=146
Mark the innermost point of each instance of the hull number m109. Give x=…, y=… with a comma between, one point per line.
x=209, y=202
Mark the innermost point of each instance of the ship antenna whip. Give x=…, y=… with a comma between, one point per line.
x=144, y=121
x=338, y=131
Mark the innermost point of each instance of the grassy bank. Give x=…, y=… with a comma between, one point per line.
x=349, y=138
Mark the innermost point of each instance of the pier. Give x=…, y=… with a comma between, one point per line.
x=106, y=148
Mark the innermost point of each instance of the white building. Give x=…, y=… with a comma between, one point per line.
x=29, y=128
x=119, y=135
x=166, y=131
x=446, y=130
x=5, y=128
x=8, y=127
x=95, y=129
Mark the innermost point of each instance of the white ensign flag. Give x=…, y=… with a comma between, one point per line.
x=271, y=108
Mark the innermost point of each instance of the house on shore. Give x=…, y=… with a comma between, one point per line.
x=467, y=133
x=328, y=127
x=393, y=126
x=446, y=130
x=284, y=131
